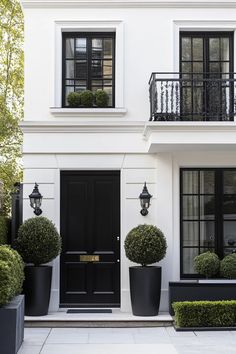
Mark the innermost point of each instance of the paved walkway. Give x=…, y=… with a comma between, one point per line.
x=126, y=341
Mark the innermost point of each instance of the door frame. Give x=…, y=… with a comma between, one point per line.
x=84, y=172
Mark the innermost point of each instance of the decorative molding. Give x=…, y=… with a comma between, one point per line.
x=81, y=127
x=128, y=4
x=185, y=127
x=88, y=112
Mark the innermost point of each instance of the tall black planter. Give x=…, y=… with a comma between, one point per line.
x=145, y=290
x=37, y=288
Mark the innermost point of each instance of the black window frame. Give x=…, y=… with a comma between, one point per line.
x=219, y=218
x=89, y=36
x=206, y=35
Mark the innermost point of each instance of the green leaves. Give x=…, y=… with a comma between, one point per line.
x=11, y=274
x=38, y=241
x=228, y=266
x=207, y=264
x=11, y=94
x=205, y=313
x=145, y=244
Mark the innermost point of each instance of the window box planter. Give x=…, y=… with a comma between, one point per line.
x=12, y=325
x=208, y=289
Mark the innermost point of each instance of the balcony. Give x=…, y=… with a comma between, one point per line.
x=192, y=97
x=191, y=112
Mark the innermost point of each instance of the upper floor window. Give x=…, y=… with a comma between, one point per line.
x=88, y=64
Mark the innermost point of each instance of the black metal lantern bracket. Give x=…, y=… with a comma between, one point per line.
x=145, y=197
x=36, y=200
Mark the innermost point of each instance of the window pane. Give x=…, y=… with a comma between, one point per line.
x=68, y=90
x=81, y=48
x=230, y=233
x=107, y=68
x=190, y=182
x=207, y=182
x=197, y=48
x=229, y=178
x=107, y=48
x=96, y=68
x=186, y=48
x=229, y=207
x=214, y=44
x=207, y=234
x=81, y=69
x=207, y=207
x=190, y=207
x=70, y=71
x=188, y=256
x=97, y=48
x=224, y=48
x=70, y=48
x=190, y=233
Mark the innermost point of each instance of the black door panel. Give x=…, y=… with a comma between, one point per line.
x=90, y=229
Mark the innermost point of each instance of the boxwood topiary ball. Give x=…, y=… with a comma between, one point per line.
x=145, y=244
x=228, y=266
x=74, y=99
x=38, y=241
x=87, y=98
x=16, y=265
x=101, y=98
x=207, y=264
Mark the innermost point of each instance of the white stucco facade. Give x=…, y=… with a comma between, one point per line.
x=120, y=138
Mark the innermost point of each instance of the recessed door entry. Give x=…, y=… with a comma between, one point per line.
x=90, y=230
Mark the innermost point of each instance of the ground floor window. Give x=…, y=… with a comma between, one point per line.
x=207, y=214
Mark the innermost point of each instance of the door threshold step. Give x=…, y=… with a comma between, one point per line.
x=97, y=324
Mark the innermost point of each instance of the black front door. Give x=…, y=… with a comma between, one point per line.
x=90, y=229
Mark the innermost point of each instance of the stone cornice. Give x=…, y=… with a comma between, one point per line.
x=128, y=4
x=81, y=127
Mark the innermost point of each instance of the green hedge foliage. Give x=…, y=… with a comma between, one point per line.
x=205, y=313
x=38, y=241
x=207, y=264
x=145, y=244
x=228, y=266
x=88, y=98
x=11, y=274
x=3, y=230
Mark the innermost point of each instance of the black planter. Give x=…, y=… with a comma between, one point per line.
x=145, y=290
x=193, y=291
x=12, y=326
x=37, y=289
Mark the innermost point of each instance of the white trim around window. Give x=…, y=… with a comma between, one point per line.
x=89, y=26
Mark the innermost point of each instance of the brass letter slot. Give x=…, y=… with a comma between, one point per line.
x=89, y=258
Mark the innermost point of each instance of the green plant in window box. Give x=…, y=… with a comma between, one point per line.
x=86, y=98
x=228, y=266
x=101, y=98
x=74, y=99
x=207, y=264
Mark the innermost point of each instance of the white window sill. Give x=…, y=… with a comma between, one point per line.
x=88, y=112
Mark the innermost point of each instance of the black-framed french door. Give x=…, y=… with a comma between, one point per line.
x=90, y=230
x=206, y=65
x=207, y=214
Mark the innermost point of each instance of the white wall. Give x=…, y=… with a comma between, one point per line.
x=150, y=43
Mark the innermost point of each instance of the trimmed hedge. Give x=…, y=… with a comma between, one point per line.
x=228, y=266
x=38, y=241
x=11, y=274
x=3, y=230
x=205, y=313
x=207, y=264
x=145, y=244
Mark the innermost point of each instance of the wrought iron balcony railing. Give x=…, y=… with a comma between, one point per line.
x=192, y=96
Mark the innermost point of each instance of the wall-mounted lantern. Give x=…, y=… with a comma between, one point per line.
x=145, y=200
x=36, y=200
